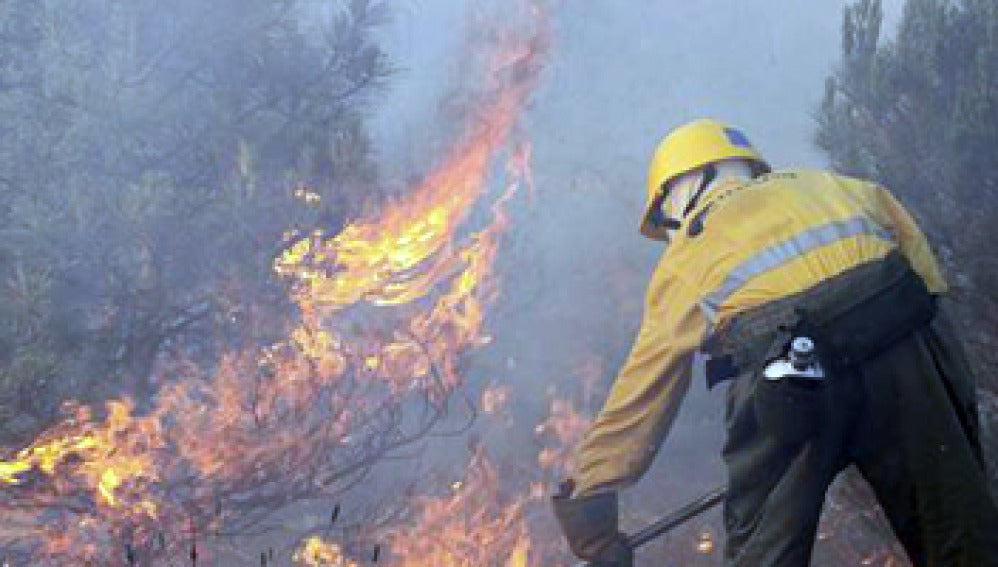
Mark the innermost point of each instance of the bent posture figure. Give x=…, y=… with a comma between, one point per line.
x=756, y=259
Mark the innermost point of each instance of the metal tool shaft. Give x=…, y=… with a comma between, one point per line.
x=671, y=520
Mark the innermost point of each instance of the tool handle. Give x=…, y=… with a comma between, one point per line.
x=680, y=516
x=671, y=520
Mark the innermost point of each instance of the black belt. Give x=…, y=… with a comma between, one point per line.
x=852, y=317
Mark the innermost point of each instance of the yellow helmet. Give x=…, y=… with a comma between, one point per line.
x=684, y=149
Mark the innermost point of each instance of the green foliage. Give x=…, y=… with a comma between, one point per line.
x=920, y=115
x=148, y=152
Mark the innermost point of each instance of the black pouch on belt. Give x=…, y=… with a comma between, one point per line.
x=873, y=319
x=851, y=318
x=790, y=407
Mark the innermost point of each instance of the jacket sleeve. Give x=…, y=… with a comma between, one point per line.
x=647, y=392
x=912, y=242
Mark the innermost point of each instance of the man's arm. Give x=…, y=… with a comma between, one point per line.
x=646, y=395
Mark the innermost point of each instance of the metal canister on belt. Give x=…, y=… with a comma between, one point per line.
x=800, y=362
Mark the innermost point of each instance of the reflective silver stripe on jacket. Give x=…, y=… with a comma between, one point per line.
x=779, y=254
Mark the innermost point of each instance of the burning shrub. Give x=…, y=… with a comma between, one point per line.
x=386, y=308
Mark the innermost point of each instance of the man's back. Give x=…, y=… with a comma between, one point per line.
x=756, y=241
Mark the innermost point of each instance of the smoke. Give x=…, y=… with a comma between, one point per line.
x=575, y=266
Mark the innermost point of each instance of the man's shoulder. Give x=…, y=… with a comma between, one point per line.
x=815, y=179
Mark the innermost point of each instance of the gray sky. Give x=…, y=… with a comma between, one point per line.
x=619, y=78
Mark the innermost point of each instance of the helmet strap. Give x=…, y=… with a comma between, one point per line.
x=669, y=223
x=659, y=218
x=709, y=175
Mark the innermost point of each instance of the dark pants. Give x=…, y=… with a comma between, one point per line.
x=905, y=417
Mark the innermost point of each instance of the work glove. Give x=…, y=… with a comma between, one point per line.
x=590, y=526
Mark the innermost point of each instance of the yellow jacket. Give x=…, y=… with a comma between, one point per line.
x=758, y=241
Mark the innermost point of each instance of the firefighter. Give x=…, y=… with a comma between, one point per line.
x=755, y=260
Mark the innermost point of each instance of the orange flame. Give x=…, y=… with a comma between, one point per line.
x=106, y=455
x=472, y=527
x=314, y=552
x=241, y=434
x=478, y=523
x=413, y=246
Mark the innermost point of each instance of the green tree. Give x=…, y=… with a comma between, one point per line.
x=919, y=114
x=148, y=154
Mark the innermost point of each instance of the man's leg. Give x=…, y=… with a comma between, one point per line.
x=917, y=444
x=776, y=490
